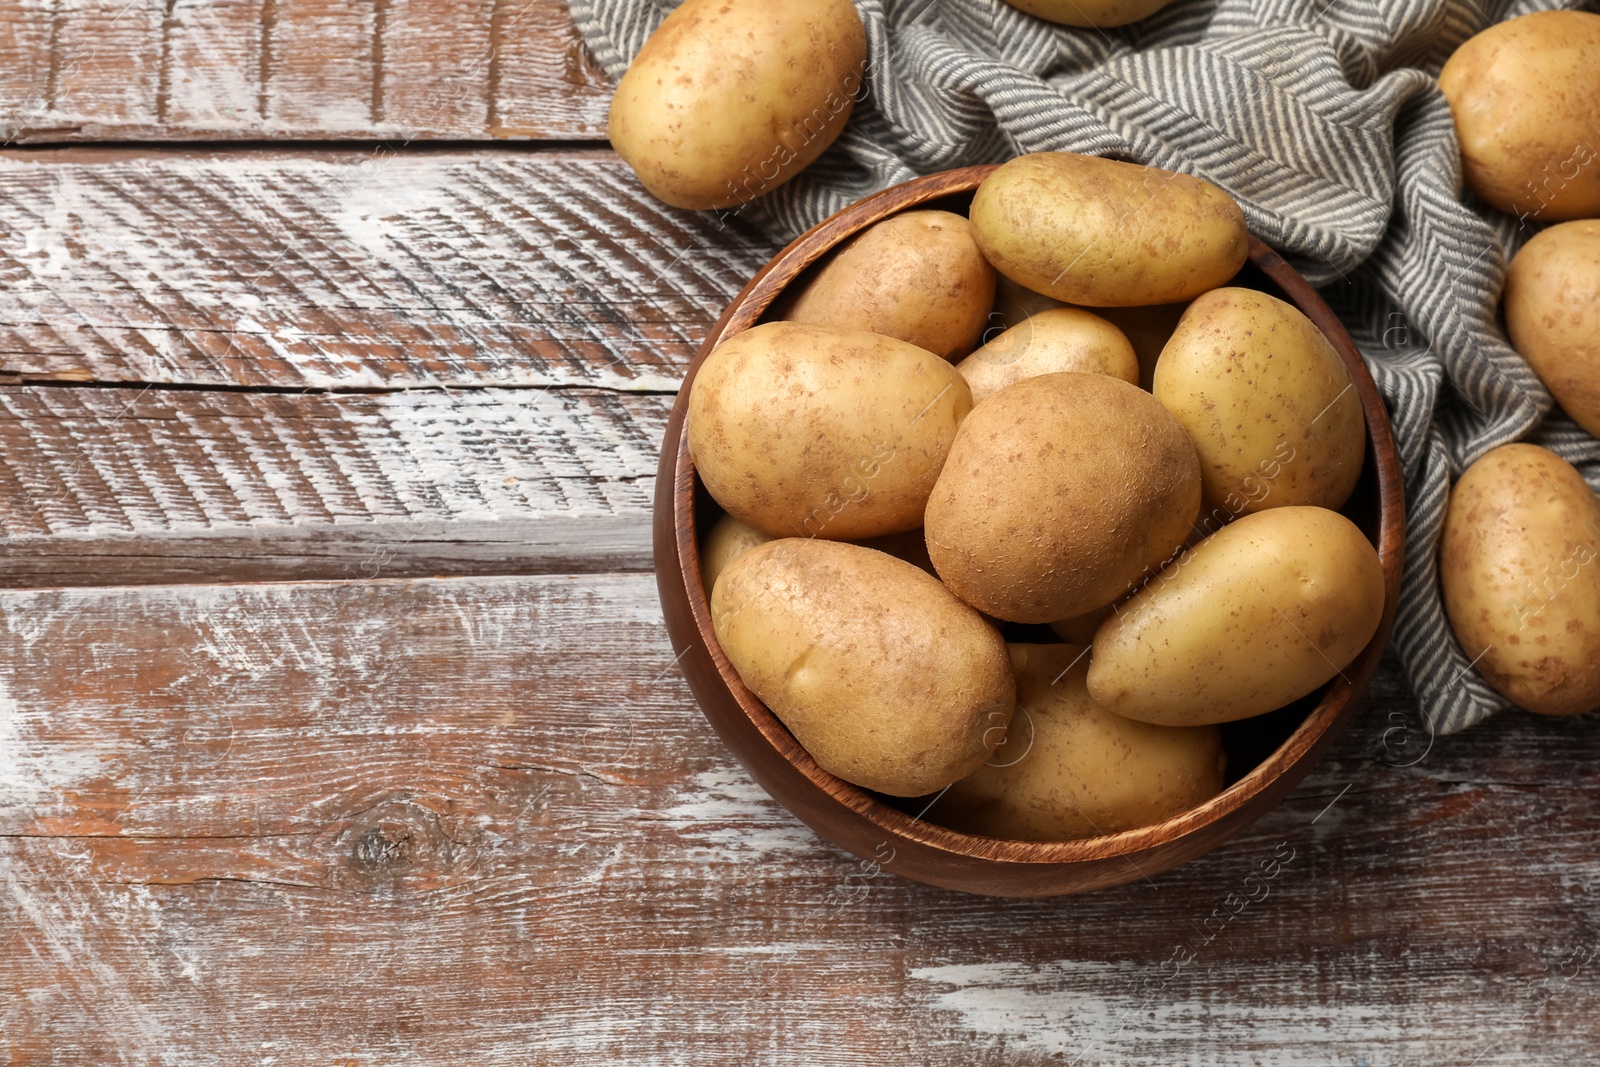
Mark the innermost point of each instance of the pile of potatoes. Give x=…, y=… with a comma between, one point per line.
x=943, y=442
x=1522, y=528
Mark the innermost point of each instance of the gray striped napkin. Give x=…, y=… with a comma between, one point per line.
x=1323, y=119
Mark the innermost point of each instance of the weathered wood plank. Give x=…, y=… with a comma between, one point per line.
x=107, y=486
x=355, y=270
x=479, y=820
x=391, y=70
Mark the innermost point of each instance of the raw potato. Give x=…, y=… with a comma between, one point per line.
x=1553, y=314
x=917, y=276
x=1090, y=14
x=729, y=99
x=1069, y=768
x=881, y=674
x=810, y=431
x=1100, y=233
x=1524, y=97
x=1518, y=565
x=1061, y=339
x=1257, y=615
x=729, y=538
x=1268, y=402
x=1059, y=494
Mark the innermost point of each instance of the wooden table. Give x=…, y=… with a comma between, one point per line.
x=337, y=721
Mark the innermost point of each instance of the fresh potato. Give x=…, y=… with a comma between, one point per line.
x=1268, y=402
x=1100, y=233
x=881, y=674
x=728, y=540
x=1517, y=563
x=917, y=276
x=729, y=99
x=1062, y=339
x=1069, y=768
x=1523, y=94
x=811, y=431
x=1090, y=14
x=1059, y=493
x=1257, y=615
x=1552, y=301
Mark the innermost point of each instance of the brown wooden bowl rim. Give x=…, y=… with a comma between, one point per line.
x=1330, y=712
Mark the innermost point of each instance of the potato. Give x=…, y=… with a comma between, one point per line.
x=1257, y=615
x=884, y=677
x=729, y=99
x=1517, y=563
x=1069, y=768
x=917, y=276
x=1100, y=233
x=729, y=538
x=811, y=431
x=1090, y=14
x=1062, y=339
x=1523, y=94
x=1059, y=493
x=1552, y=302
x=1268, y=402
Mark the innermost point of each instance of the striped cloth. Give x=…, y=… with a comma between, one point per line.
x=1322, y=117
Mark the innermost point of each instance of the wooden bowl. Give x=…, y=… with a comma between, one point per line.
x=1268, y=755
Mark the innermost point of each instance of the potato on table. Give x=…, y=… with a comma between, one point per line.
x=1519, y=563
x=1090, y=13
x=729, y=99
x=1552, y=303
x=918, y=276
x=810, y=431
x=885, y=678
x=1069, y=768
x=1524, y=94
x=1257, y=615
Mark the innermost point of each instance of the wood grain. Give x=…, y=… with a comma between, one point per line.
x=480, y=820
x=388, y=70
x=109, y=486
x=340, y=270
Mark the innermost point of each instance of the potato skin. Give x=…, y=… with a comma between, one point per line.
x=810, y=431
x=727, y=541
x=1268, y=402
x=1257, y=615
x=1521, y=579
x=1099, y=233
x=885, y=678
x=1523, y=95
x=1069, y=768
x=1059, y=493
x=1552, y=304
x=918, y=276
x=729, y=99
x=1061, y=339
x=1090, y=14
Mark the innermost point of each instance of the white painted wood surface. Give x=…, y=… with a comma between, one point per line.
x=393, y=70
x=480, y=820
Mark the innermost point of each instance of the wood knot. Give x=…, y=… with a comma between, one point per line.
x=406, y=843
